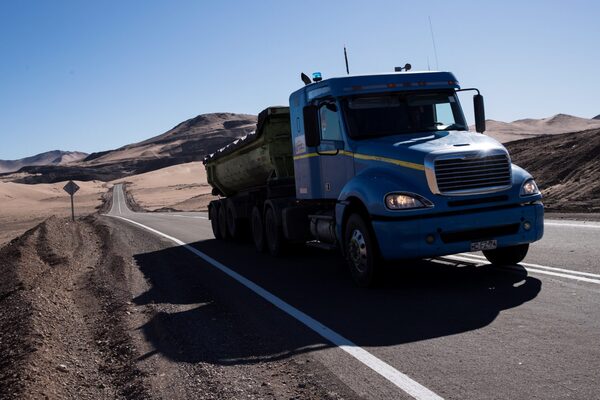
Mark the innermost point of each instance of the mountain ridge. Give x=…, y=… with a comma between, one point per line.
x=186, y=142
x=52, y=157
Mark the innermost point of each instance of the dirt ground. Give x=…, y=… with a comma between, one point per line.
x=566, y=168
x=98, y=309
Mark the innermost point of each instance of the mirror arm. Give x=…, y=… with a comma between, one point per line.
x=468, y=89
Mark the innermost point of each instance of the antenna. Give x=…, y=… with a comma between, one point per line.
x=437, y=65
x=346, y=58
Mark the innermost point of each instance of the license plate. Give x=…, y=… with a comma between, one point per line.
x=484, y=245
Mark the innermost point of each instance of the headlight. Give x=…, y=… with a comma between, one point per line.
x=529, y=188
x=406, y=201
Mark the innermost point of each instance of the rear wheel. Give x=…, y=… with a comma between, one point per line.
x=258, y=229
x=233, y=223
x=273, y=234
x=507, y=255
x=222, y=218
x=214, y=220
x=361, y=252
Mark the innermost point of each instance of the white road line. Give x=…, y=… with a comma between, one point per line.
x=568, y=271
x=402, y=381
x=529, y=269
x=572, y=225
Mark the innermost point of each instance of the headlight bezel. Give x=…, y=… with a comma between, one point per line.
x=528, y=193
x=420, y=201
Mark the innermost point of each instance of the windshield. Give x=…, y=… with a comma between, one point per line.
x=398, y=113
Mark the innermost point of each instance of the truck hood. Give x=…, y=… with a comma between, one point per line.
x=413, y=148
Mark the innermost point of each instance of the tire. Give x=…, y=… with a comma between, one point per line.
x=214, y=220
x=273, y=234
x=233, y=224
x=507, y=255
x=222, y=218
x=258, y=229
x=362, y=254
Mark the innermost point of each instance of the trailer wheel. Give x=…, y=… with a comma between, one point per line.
x=214, y=220
x=258, y=229
x=361, y=252
x=233, y=224
x=507, y=255
x=223, y=220
x=273, y=233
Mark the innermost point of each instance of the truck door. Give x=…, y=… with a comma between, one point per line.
x=336, y=166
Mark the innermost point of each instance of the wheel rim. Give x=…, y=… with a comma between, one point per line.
x=357, y=251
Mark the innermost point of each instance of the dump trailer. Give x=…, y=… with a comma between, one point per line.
x=380, y=167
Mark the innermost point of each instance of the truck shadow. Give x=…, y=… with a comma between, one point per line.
x=202, y=315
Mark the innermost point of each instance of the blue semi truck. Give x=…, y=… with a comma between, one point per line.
x=380, y=167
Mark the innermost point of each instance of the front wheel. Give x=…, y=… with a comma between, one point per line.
x=507, y=255
x=361, y=252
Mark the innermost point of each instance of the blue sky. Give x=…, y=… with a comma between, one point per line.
x=92, y=76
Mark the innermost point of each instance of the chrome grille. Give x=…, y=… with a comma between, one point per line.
x=472, y=175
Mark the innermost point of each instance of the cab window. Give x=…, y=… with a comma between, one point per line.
x=330, y=122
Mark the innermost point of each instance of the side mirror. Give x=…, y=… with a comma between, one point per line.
x=312, y=135
x=479, y=113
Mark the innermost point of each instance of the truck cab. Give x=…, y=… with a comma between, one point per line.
x=408, y=178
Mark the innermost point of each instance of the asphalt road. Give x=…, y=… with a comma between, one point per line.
x=452, y=327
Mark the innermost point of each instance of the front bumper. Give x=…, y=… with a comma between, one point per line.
x=406, y=238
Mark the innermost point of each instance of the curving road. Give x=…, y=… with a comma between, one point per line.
x=452, y=328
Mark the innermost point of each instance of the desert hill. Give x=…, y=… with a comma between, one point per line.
x=597, y=117
x=200, y=135
x=529, y=128
x=566, y=167
x=189, y=141
x=54, y=157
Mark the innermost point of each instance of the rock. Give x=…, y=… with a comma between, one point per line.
x=62, y=368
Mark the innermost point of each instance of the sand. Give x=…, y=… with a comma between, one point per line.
x=180, y=187
x=24, y=206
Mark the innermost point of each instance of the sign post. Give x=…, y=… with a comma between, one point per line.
x=71, y=187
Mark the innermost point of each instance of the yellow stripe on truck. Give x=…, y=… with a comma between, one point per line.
x=399, y=163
